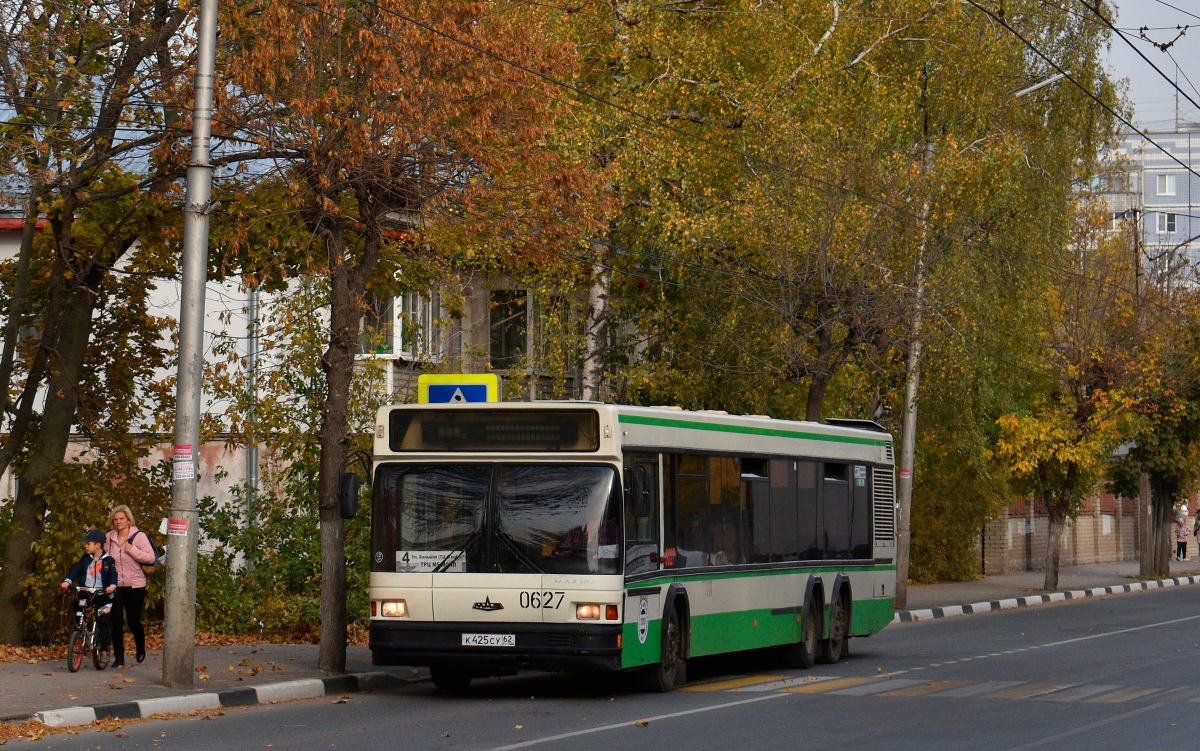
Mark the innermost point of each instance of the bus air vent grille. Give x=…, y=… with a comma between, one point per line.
x=888, y=450
x=884, y=502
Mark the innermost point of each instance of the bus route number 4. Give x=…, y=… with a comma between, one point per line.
x=545, y=600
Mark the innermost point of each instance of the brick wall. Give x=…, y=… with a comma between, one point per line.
x=1105, y=531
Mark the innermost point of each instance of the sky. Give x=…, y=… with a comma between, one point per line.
x=1153, y=97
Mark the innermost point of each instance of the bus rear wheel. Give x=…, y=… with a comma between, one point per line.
x=804, y=653
x=449, y=680
x=672, y=670
x=834, y=647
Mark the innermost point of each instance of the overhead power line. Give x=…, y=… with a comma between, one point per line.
x=1133, y=46
x=1103, y=105
x=1181, y=10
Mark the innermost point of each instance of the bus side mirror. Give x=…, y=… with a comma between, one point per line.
x=349, y=495
x=639, y=491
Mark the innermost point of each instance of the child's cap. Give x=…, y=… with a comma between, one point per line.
x=93, y=535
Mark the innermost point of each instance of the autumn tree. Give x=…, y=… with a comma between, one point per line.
x=94, y=90
x=1058, y=451
x=393, y=125
x=1164, y=373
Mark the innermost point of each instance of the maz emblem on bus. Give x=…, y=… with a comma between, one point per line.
x=488, y=605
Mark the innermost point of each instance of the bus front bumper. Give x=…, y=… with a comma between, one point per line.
x=539, y=646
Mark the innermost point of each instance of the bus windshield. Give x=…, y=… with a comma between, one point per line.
x=503, y=518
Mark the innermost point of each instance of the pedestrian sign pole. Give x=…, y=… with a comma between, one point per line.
x=458, y=388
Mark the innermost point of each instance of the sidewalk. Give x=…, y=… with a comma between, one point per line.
x=1003, y=586
x=28, y=687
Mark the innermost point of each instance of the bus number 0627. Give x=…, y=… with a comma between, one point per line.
x=547, y=600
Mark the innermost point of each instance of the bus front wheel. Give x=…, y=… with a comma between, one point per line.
x=671, y=671
x=450, y=681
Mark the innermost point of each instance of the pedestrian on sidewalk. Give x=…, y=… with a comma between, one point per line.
x=96, y=571
x=1182, y=533
x=1196, y=533
x=131, y=550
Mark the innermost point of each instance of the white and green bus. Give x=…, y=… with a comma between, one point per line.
x=582, y=536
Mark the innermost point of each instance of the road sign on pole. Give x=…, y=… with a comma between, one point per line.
x=458, y=388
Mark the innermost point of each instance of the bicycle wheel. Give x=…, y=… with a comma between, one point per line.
x=75, y=648
x=99, y=659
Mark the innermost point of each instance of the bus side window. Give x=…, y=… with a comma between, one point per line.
x=756, y=509
x=691, y=512
x=784, y=541
x=860, y=524
x=641, y=513
x=724, y=511
x=811, y=547
x=670, y=511
x=835, y=508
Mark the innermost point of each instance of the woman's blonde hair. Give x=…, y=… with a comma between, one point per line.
x=122, y=509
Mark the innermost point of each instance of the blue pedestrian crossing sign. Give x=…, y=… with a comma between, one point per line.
x=458, y=388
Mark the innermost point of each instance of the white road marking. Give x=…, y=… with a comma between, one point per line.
x=1085, y=728
x=1120, y=631
x=632, y=723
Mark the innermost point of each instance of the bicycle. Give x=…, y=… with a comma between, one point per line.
x=83, y=635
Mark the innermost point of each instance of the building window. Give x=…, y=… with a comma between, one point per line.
x=508, y=319
x=420, y=326
x=1166, y=185
x=376, y=327
x=1166, y=223
x=1116, y=220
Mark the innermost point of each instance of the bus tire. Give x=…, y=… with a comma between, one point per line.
x=449, y=680
x=834, y=647
x=671, y=671
x=803, y=653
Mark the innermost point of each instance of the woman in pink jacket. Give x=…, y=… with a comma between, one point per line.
x=130, y=548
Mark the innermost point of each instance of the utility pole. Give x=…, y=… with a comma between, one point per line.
x=908, y=429
x=252, y=410
x=179, y=626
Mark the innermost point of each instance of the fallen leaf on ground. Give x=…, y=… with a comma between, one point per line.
x=446, y=734
x=114, y=686
x=122, y=735
x=520, y=726
x=201, y=669
x=339, y=700
x=642, y=723
x=203, y=676
x=131, y=680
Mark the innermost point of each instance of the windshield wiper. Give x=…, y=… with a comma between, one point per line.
x=511, y=544
x=451, y=559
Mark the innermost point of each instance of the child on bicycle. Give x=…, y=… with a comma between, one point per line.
x=96, y=569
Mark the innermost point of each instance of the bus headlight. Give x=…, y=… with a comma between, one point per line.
x=394, y=609
x=587, y=612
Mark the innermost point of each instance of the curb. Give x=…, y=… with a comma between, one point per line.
x=949, y=611
x=239, y=697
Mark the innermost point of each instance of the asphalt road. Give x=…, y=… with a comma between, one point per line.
x=1119, y=672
